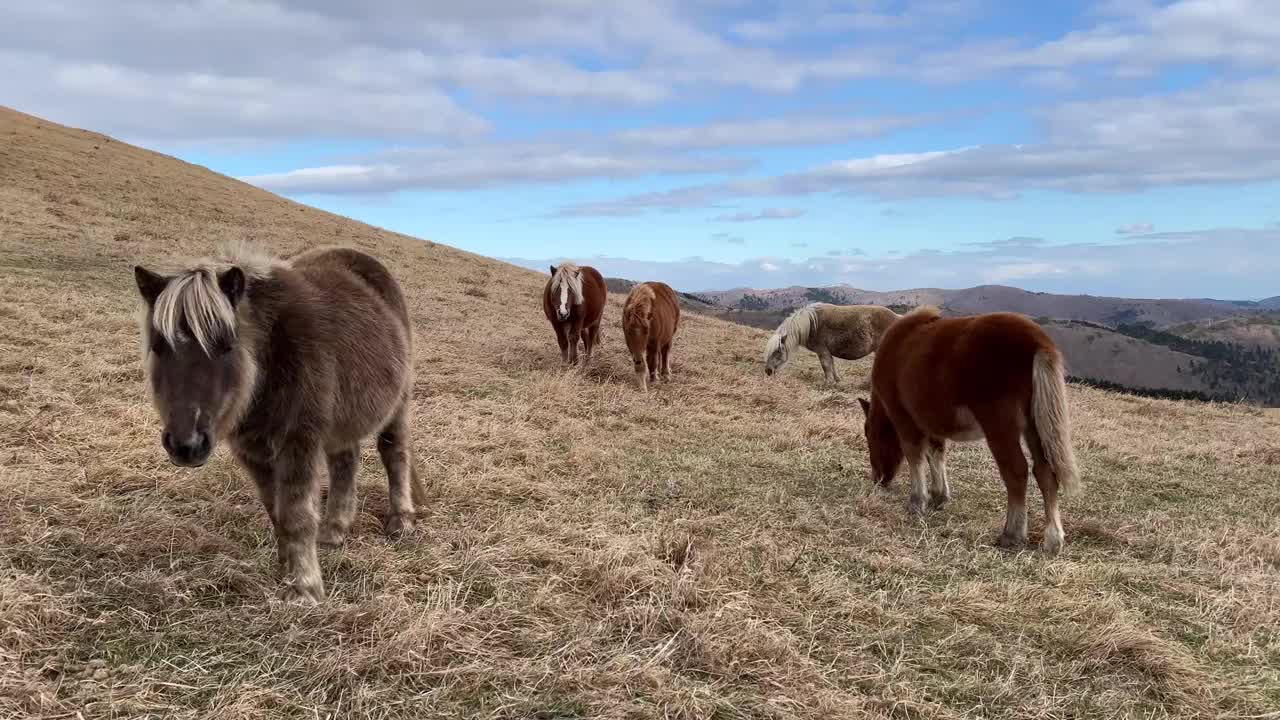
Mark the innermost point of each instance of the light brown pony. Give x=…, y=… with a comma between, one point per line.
x=573, y=301
x=848, y=332
x=293, y=363
x=996, y=376
x=650, y=318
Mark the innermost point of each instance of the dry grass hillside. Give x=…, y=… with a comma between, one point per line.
x=707, y=551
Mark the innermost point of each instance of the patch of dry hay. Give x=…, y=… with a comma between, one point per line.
x=708, y=551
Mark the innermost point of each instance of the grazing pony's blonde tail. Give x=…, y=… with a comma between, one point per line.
x=1053, y=424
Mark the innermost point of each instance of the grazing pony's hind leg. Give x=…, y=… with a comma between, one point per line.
x=666, y=362
x=1048, y=482
x=939, y=488
x=340, y=508
x=1006, y=446
x=393, y=448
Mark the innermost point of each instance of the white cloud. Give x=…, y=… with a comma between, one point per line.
x=766, y=214
x=1143, y=228
x=767, y=131
x=1132, y=39
x=471, y=167
x=160, y=105
x=1218, y=134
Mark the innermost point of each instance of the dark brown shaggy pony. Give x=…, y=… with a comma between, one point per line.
x=573, y=301
x=650, y=318
x=293, y=363
x=996, y=376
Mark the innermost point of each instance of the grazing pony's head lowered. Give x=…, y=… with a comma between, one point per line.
x=200, y=368
x=566, y=286
x=883, y=446
x=793, y=332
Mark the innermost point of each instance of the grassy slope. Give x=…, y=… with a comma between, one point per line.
x=703, y=552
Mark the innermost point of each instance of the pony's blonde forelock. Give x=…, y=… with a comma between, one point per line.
x=195, y=297
x=570, y=275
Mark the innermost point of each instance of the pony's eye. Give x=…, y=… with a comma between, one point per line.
x=158, y=345
x=223, y=348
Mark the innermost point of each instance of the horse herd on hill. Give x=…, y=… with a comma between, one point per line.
x=293, y=362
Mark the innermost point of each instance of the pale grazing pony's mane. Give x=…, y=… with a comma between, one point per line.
x=193, y=295
x=570, y=274
x=793, y=331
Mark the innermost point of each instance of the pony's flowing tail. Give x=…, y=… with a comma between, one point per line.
x=1053, y=424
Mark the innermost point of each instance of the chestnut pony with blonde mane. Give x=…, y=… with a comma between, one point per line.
x=573, y=301
x=996, y=376
x=650, y=318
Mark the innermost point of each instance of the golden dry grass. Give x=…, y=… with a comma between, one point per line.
x=704, y=552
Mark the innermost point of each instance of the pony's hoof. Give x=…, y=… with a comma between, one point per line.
x=299, y=594
x=330, y=536
x=916, y=505
x=400, y=525
x=937, y=502
x=1051, y=545
x=1010, y=542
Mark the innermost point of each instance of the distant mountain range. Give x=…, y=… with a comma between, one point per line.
x=1205, y=348
x=990, y=298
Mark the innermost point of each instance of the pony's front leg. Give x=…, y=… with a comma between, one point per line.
x=562, y=340
x=828, y=366
x=939, y=488
x=917, y=464
x=264, y=479
x=642, y=371
x=295, y=481
x=341, y=506
x=590, y=336
x=572, y=335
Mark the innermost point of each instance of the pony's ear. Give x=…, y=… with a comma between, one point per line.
x=232, y=284
x=553, y=269
x=866, y=406
x=150, y=284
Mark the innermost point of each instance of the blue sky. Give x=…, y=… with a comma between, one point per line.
x=1123, y=147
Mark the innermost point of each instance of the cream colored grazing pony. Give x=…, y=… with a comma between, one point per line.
x=848, y=332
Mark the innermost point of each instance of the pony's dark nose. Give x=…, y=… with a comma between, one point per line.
x=768, y=371
x=192, y=451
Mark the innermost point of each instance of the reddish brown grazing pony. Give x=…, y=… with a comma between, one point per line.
x=996, y=376
x=573, y=301
x=650, y=318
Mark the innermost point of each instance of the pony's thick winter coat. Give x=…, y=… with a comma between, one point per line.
x=848, y=332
